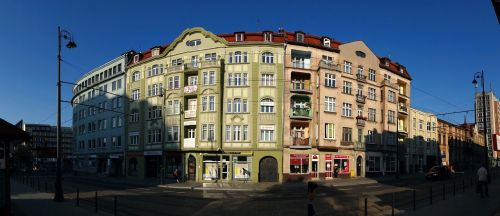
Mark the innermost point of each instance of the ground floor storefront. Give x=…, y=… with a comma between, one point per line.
x=310, y=164
x=381, y=163
x=229, y=166
x=153, y=164
x=105, y=164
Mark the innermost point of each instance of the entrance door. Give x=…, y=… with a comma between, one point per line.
x=314, y=173
x=191, y=168
x=268, y=170
x=358, y=166
x=152, y=166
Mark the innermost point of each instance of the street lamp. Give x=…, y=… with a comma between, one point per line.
x=163, y=93
x=478, y=75
x=61, y=33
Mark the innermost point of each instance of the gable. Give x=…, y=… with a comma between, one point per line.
x=358, y=53
x=194, y=39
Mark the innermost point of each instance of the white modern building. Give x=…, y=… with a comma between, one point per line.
x=99, y=118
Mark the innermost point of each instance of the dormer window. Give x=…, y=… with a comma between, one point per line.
x=401, y=70
x=239, y=37
x=268, y=36
x=155, y=51
x=326, y=42
x=300, y=37
x=386, y=63
x=136, y=58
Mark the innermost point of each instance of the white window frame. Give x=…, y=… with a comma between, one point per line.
x=329, y=104
x=330, y=80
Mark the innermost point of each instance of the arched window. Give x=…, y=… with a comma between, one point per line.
x=267, y=105
x=237, y=105
x=155, y=70
x=136, y=76
x=268, y=57
x=237, y=57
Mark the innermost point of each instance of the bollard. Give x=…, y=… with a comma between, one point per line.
x=77, y=197
x=430, y=192
x=454, y=190
x=444, y=191
x=96, y=202
x=393, y=202
x=414, y=200
x=366, y=206
x=115, y=209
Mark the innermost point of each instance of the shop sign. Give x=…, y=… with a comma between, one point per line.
x=152, y=153
x=299, y=159
x=328, y=157
x=340, y=156
x=115, y=156
x=315, y=157
x=187, y=123
x=267, y=127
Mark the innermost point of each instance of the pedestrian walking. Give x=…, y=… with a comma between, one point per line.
x=311, y=188
x=482, y=183
x=176, y=175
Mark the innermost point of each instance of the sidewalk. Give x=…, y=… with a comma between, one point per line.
x=468, y=203
x=26, y=202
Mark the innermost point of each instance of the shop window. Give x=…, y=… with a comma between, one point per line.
x=299, y=163
x=132, y=167
x=242, y=166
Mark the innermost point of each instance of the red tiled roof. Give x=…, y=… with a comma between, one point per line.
x=290, y=37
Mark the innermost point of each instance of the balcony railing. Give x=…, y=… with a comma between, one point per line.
x=402, y=129
x=190, y=89
x=300, y=113
x=189, y=113
x=360, y=121
x=191, y=66
x=210, y=63
x=388, y=83
x=175, y=68
x=300, y=88
x=299, y=142
x=329, y=65
x=300, y=64
x=361, y=77
x=360, y=98
x=403, y=108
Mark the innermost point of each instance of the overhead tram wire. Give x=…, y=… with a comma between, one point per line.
x=436, y=97
x=105, y=109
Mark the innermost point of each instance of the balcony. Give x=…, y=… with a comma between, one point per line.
x=300, y=88
x=190, y=114
x=300, y=64
x=389, y=84
x=403, y=109
x=402, y=129
x=210, y=63
x=300, y=113
x=193, y=66
x=361, y=77
x=190, y=89
x=299, y=142
x=360, y=121
x=175, y=68
x=360, y=98
x=359, y=146
x=189, y=142
x=329, y=65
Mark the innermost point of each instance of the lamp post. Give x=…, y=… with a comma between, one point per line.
x=61, y=33
x=478, y=75
x=162, y=161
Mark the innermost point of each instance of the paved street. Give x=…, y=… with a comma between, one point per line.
x=273, y=199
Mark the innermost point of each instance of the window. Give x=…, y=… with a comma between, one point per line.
x=210, y=57
x=347, y=67
x=156, y=69
x=134, y=116
x=347, y=134
x=268, y=36
x=327, y=59
x=154, y=136
x=371, y=74
x=428, y=126
x=391, y=117
x=300, y=37
x=136, y=76
x=228, y=132
x=372, y=114
x=373, y=164
x=330, y=80
x=371, y=93
x=391, y=96
x=237, y=57
x=267, y=80
x=347, y=88
x=136, y=58
x=347, y=110
x=176, y=62
x=236, y=133
x=211, y=78
x=204, y=103
x=245, y=105
x=155, y=89
x=239, y=37
x=237, y=79
x=135, y=94
x=326, y=42
x=211, y=103
x=370, y=138
x=267, y=58
x=173, y=133
x=267, y=105
x=360, y=71
x=229, y=105
x=420, y=124
x=267, y=134
x=433, y=126
x=154, y=112
x=237, y=105
x=329, y=131
x=387, y=77
x=329, y=104
x=245, y=133
x=134, y=138
x=299, y=163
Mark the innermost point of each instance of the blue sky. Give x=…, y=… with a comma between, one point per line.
x=442, y=43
